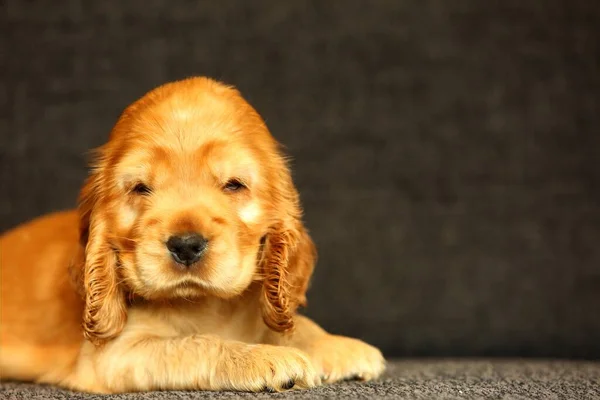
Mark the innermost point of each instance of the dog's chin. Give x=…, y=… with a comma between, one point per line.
x=188, y=288
x=194, y=288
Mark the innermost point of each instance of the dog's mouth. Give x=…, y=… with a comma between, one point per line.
x=152, y=273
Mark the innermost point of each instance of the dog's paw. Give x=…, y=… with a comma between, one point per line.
x=341, y=358
x=258, y=368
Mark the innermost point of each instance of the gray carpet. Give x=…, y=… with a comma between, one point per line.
x=407, y=379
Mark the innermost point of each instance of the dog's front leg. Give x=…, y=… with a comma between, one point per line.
x=192, y=362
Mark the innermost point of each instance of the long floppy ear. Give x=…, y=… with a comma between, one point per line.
x=289, y=257
x=105, y=311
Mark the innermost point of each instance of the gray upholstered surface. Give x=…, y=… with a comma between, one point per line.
x=409, y=379
x=446, y=150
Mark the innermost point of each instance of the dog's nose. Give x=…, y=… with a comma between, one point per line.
x=187, y=248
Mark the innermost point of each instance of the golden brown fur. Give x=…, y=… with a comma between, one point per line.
x=92, y=300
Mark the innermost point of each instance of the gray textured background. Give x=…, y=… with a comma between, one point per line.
x=447, y=152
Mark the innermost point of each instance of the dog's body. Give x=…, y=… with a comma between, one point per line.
x=182, y=268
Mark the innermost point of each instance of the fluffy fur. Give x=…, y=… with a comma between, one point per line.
x=93, y=301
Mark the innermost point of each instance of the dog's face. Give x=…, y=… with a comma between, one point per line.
x=191, y=197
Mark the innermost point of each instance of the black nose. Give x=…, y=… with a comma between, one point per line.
x=187, y=248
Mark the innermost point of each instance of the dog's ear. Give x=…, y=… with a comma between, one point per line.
x=289, y=257
x=105, y=311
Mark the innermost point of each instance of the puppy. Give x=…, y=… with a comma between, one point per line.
x=182, y=268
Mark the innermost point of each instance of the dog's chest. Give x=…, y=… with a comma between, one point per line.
x=232, y=321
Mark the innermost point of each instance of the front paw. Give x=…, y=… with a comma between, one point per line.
x=339, y=358
x=258, y=368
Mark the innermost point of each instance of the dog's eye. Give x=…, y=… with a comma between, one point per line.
x=233, y=185
x=141, y=189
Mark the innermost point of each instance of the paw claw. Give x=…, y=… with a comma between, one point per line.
x=354, y=377
x=289, y=384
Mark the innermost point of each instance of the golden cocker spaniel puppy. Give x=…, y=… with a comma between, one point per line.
x=182, y=268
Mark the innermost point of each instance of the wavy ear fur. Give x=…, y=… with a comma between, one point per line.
x=289, y=256
x=105, y=311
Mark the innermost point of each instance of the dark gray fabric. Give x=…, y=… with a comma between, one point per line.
x=447, y=152
x=414, y=379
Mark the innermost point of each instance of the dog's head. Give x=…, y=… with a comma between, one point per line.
x=191, y=197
